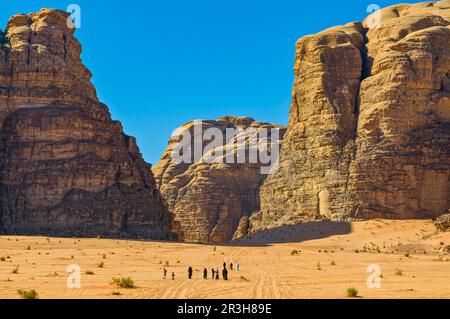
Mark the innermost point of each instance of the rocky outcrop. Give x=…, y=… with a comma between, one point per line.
x=443, y=223
x=66, y=167
x=369, y=130
x=210, y=197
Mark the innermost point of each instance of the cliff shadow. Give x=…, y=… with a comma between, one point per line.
x=295, y=233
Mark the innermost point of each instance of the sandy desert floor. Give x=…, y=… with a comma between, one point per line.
x=331, y=258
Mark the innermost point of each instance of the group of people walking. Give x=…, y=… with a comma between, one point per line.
x=215, y=274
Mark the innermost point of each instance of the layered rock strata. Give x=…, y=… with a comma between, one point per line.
x=66, y=167
x=212, y=196
x=369, y=130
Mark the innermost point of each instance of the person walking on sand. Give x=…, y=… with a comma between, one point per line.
x=231, y=266
x=238, y=267
x=225, y=273
x=224, y=264
x=173, y=276
x=165, y=273
x=213, y=272
x=190, y=271
x=205, y=274
x=217, y=274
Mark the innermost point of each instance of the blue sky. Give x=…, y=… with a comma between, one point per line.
x=159, y=64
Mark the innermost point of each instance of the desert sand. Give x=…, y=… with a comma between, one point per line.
x=331, y=258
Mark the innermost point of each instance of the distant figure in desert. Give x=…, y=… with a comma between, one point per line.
x=238, y=267
x=173, y=276
x=213, y=272
x=231, y=266
x=205, y=274
x=190, y=271
x=225, y=273
x=217, y=274
x=224, y=264
x=165, y=273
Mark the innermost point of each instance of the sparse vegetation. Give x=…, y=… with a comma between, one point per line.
x=28, y=294
x=116, y=293
x=101, y=265
x=398, y=272
x=90, y=272
x=15, y=270
x=125, y=282
x=333, y=263
x=294, y=252
x=244, y=279
x=2, y=258
x=352, y=293
x=318, y=266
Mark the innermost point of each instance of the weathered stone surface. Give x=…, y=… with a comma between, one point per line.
x=66, y=168
x=402, y=164
x=442, y=223
x=369, y=131
x=209, y=200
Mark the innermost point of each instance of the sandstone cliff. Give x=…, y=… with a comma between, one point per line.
x=369, y=130
x=211, y=200
x=66, y=167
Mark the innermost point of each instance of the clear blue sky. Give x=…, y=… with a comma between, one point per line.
x=159, y=64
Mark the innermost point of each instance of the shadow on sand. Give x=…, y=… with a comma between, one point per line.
x=295, y=233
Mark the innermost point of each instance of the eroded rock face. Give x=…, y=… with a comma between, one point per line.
x=66, y=168
x=443, y=223
x=369, y=131
x=211, y=200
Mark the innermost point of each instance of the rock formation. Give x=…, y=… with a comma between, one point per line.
x=66, y=167
x=443, y=223
x=212, y=197
x=369, y=129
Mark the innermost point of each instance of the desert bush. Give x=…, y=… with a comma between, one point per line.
x=294, y=252
x=89, y=272
x=15, y=270
x=101, y=265
x=123, y=282
x=28, y=294
x=352, y=292
x=398, y=272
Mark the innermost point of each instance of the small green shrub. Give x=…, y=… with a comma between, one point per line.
x=126, y=283
x=28, y=294
x=352, y=293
